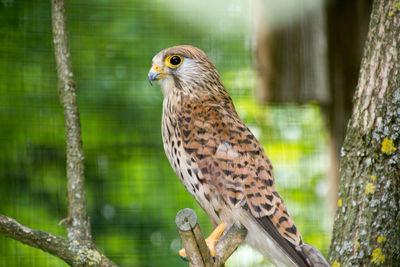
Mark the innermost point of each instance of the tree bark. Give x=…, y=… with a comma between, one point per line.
x=77, y=223
x=367, y=222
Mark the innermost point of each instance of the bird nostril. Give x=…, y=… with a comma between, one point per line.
x=156, y=68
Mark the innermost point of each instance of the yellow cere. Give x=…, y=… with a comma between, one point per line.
x=373, y=178
x=369, y=188
x=335, y=264
x=381, y=239
x=339, y=202
x=377, y=256
x=387, y=146
x=156, y=67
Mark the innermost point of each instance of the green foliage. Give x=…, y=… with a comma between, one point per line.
x=133, y=194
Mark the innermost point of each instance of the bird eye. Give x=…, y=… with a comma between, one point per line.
x=173, y=61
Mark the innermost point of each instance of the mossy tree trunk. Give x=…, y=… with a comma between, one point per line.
x=367, y=222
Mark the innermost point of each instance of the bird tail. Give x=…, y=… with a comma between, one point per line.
x=295, y=253
x=302, y=255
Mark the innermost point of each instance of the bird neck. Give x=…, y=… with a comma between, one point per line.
x=172, y=103
x=176, y=99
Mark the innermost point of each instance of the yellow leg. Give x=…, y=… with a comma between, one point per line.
x=210, y=241
x=213, y=238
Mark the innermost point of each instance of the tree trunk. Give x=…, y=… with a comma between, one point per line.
x=367, y=222
x=78, y=249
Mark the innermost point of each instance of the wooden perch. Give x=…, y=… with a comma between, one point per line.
x=195, y=245
x=193, y=238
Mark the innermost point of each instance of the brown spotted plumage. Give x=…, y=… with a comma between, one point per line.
x=218, y=159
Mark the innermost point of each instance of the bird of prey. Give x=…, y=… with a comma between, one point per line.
x=218, y=159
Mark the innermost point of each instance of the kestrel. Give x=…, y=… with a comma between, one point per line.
x=218, y=159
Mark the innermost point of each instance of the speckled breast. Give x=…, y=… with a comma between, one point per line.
x=188, y=171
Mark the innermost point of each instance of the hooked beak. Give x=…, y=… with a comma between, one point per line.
x=155, y=73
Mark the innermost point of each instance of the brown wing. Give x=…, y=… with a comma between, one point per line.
x=230, y=157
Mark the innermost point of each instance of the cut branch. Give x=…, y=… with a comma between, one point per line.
x=193, y=238
x=195, y=245
x=77, y=223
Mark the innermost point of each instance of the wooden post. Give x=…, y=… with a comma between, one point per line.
x=196, y=247
x=193, y=238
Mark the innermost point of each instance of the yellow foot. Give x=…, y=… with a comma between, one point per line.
x=213, y=238
x=210, y=241
x=182, y=254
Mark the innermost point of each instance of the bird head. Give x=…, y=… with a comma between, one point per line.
x=184, y=69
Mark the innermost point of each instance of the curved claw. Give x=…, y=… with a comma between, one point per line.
x=182, y=254
x=210, y=241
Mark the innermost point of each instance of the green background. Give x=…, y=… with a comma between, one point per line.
x=133, y=194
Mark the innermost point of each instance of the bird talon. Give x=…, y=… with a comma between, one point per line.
x=214, y=236
x=210, y=241
x=185, y=259
x=182, y=254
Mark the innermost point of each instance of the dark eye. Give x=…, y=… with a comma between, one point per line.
x=175, y=60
